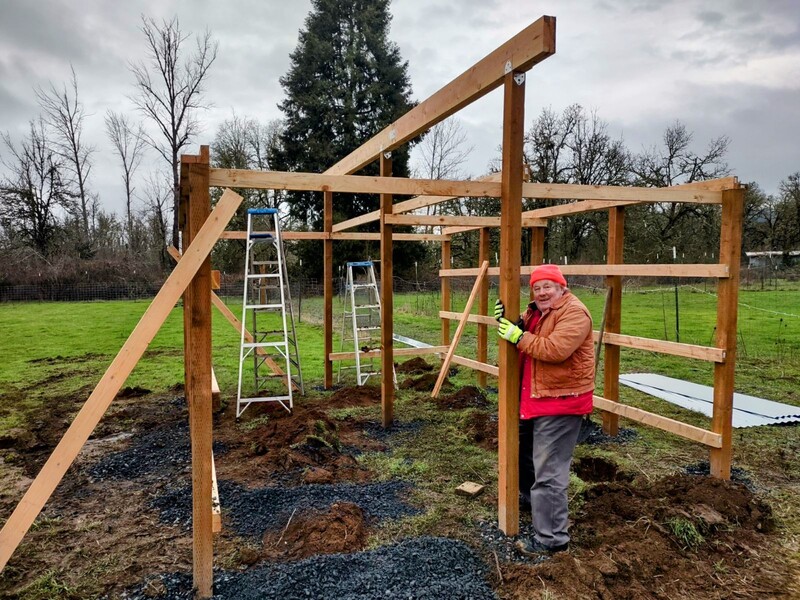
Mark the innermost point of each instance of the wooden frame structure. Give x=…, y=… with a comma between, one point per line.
x=504, y=67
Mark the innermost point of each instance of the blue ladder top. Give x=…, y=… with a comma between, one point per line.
x=262, y=211
x=366, y=263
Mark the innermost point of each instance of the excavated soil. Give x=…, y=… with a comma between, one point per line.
x=414, y=366
x=467, y=397
x=365, y=395
x=424, y=383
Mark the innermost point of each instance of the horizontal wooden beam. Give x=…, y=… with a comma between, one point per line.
x=698, y=434
x=479, y=319
x=664, y=347
x=697, y=270
x=405, y=206
x=397, y=352
x=321, y=235
x=443, y=220
x=353, y=184
x=532, y=45
x=475, y=365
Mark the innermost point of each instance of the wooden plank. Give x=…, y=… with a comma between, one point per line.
x=475, y=365
x=361, y=235
x=719, y=271
x=483, y=304
x=510, y=263
x=387, y=301
x=114, y=378
x=215, y=393
x=459, y=330
x=663, y=347
x=614, y=251
x=216, y=507
x=730, y=250
x=479, y=319
x=215, y=279
x=327, y=289
x=532, y=45
x=445, y=293
x=353, y=184
x=442, y=220
x=405, y=206
x=197, y=360
x=709, y=438
x=537, y=251
x=397, y=352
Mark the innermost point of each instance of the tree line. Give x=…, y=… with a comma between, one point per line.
x=346, y=82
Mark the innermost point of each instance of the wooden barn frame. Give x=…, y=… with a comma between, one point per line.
x=192, y=278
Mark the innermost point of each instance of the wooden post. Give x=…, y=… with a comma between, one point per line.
x=387, y=302
x=483, y=304
x=510, y=264
x=537, y=249
x=445, y=283
x=327, y=284
x=730, y=252
x=197, y=358
x=113, y=379
x=616, y=234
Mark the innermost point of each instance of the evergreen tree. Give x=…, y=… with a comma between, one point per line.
x=346, y=83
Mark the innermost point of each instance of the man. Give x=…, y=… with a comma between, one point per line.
x=554, y=337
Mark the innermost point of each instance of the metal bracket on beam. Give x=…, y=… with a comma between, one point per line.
x=387, y=155
x=507, y=68
x=519, y=78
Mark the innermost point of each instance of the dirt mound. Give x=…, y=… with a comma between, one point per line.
x=679, y=537
x=467, y=397
x=341, y=528
x=414, y=366
x=424, y=383
x=364, y=395
x=598, y=469
x=133, y=392
x=481, y=429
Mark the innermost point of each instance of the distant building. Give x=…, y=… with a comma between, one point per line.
x=773, y=259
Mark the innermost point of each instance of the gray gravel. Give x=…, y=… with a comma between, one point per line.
x=425, y=568
x=592, y=434
x=251, y=512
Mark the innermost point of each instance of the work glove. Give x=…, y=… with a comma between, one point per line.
x=508, y=331
x=499, y=309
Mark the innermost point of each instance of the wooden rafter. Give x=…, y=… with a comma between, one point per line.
x=719, y=271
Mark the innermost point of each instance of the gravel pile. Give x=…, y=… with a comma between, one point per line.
x=738, y=474
x=251, y=512
x=165, y=450
x=424, y=568
x=592, y=434
x=377, y=431
x=498, y=543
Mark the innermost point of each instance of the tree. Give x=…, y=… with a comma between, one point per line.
x=129, y=146
x=787, y=228
x=169, y=90
x=34, y=190
x=65, y=114
x=346, y=82
x=158, y=195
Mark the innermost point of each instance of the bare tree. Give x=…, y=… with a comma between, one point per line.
x=169, y=88
x=34, y=190
x=157, y=202
x=65, y=114
x=129, y=145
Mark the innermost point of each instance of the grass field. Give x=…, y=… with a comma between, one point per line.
x=55, y=350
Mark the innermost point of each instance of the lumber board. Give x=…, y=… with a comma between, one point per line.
x=613, y=320
x=483, y=305
x=444, y=284
x=215, y=393
x=459, y=330
x=114, y=378
x=478, y=319
x=708, y=353
x=718, y=271
x=397, y=352
x=327, y=288
x=475, y=365
x=353, y=184
x=387, y=300
x=698, y=434
x=530, y=46
x=360, y=235
x=216, y=507
x=455, y=220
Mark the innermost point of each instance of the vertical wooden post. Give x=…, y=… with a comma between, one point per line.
x=387, y=302
x=730, y=252
x=483, y=304
x=445, y=283
x=616, y=233
x=510, y=264
x=197, y=357
x=327, y=284
x=537, y=249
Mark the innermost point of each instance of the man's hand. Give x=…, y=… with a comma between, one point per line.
x=499, y=309
x=508, y=331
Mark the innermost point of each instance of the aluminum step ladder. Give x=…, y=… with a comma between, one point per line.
x=267, y=310
x=361, y=324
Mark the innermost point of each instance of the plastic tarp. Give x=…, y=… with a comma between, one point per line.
x=748, y=411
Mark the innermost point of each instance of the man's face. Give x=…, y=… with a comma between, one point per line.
x=545, y=292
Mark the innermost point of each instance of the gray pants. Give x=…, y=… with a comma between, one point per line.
x=546, y=445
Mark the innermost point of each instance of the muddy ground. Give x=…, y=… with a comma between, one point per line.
x=297, y=499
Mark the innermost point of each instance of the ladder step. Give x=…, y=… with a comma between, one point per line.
x=370, y=328
x=265, y=399
x=264, y=306
x=265, y=263
x=263, y=275
x=263, y=344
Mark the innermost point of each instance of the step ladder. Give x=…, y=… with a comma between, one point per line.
x=267, y=310
x=362, y=322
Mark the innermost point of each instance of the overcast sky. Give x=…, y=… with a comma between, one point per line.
x=723, y=67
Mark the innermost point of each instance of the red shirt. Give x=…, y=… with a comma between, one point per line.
x=530, y=408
